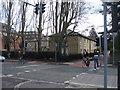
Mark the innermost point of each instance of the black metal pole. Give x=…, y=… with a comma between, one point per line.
x=118, y=75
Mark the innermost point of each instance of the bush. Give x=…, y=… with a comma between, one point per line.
x=45, y=55
x=14, y=54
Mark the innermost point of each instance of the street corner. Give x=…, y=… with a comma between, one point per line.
x=81, y=85
x=92, y=80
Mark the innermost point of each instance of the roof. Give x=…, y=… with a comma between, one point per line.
x=72, y=33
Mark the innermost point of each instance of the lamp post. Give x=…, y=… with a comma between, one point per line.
x=105, y=43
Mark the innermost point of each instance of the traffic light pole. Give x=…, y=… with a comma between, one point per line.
x=113, y=48
x=105, y=44
x=100, y=44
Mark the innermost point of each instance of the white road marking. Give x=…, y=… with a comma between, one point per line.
x=42, y=68
x=20, y=73
x=38, y=80
x=27, y=71
x=66, y=82
x=73, y=78
x=77, y=75
x=9, y=75
x=27, y=66
x=20, y=84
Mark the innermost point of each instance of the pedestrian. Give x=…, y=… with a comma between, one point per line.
x=8, y=55
x=96, y=57
x=85, y=56
x=21, y=57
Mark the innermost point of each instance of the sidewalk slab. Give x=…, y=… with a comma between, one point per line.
x=95, y=79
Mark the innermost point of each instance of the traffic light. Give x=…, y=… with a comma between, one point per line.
x=97, y=41
x=43, y=7
x=115, y=16
x=36, y=8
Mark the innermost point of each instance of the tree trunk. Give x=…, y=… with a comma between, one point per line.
x=9, y=27
x=39, y=32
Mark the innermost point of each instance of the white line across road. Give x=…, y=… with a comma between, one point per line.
x=9, y=75
x=27, y=66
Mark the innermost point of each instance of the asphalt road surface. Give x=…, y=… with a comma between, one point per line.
x=37, y=75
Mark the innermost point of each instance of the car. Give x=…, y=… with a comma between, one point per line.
x=2, y=58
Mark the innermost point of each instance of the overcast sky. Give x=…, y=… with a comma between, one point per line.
x=94, y=17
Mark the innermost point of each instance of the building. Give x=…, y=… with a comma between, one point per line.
x=2, y=34
x=76, y=43
x=31, y=37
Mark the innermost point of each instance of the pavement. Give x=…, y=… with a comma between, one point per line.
x=95, y=79
x=91, y=78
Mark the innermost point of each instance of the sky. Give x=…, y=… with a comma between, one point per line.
x=94, y=18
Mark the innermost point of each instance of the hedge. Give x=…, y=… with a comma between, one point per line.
x=44, y=55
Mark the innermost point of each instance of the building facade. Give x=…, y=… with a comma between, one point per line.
x=76, y=43
x=2, y=44
x=31, y=37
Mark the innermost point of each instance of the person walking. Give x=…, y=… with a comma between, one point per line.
x=21, y=57
x=8, y=55
x=85, y=56
x=96, y=57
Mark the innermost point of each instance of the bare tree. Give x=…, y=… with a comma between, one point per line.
x=64, y=15
x=7, y=9
x=11, y=18
x=23, y=23
x=13, y=15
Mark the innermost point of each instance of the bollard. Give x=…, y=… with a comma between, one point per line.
x=118, y=75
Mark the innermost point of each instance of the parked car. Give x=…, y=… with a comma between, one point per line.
x=2, y=58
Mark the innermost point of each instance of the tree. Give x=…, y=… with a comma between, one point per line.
x=65, y=14
x=23, y=20
x=7, y=8
x=92, y=34
x=10, y=14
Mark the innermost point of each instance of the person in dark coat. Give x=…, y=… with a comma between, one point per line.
x=85, y=56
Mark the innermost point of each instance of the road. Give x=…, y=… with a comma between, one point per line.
x=37, y=75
